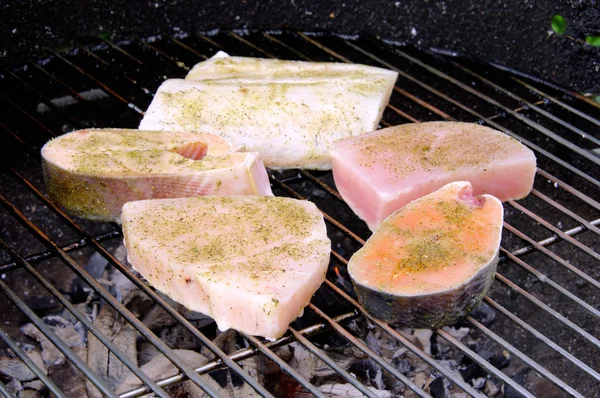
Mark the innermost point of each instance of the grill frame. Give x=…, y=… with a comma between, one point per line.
x=250, y=42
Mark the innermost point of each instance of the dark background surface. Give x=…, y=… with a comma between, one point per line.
x=514, y=33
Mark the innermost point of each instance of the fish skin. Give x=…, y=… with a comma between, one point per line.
x=91, y=173
x=380, y=172
x=289, y=112
x=435, y=305
x=252, y=263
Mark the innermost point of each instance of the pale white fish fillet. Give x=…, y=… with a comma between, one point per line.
x=92, y=173
x=380, y=172
x=290, y=115
x=221, y=66
x=252, y=263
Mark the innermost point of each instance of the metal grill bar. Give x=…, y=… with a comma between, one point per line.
x=558, y=102
x=484, y=364
x=565, y=387
x=31, y=365
x=334, y=322
x=4, y=390
x=331, y=363
x=269, y=54
x=589, y=225
x=88, y=325
x=108, y=256
x=241, y=355
x=542, y=249
x=364, y=348
x=542, y=337
x=541, y=111
x=552, y=228
x=284, y=366
x=58, y=343
x=492, y=101
x=550, y=282
x=530, y=144
x=111, y=300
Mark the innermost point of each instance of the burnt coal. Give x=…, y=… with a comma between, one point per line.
x=472, y=371
x=518, y=377
x=438, y=389
x=484, y=314
x=403, y=365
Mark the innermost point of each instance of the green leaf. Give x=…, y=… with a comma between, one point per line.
x=559, y=25
x=105, y=36
x=593, y=40
x=596, y=98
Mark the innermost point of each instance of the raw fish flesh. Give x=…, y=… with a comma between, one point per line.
x=92, y=173
x=380, y=172
x=250, y=262
x=431, y=262
x=289, y=112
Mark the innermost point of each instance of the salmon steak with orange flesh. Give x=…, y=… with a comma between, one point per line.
x=379, y=172
x=92, y=173
x=431, y=262
x=252, y=263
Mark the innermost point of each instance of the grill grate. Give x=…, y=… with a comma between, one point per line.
x=545, y=296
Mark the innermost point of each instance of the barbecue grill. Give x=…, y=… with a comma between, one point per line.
x=542, y=311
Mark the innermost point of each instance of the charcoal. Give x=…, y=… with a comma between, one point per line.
x=403, y=365
x=518, y=377
x=29, y=394
x=484, y=314
x=43, y=305
x=72, y=335
x=99, y=359
x=14, y=386
x=438, y=389
x=478, y=383
x=500, y=360
x=160, y=367
x=36, y=385
x=491, y=390
x=16, y=369
x=177, y=336
x=68, y=379
x=348, y=390
x=308, y=364
x=472, y=371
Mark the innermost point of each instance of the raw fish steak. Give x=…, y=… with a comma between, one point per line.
x=92, y=173
x=288, y=115
x=379, y=172
x=221, y=66
x=252, y=263
x=431, y=262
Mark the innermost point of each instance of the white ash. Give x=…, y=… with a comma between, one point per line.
x=16, y=369
x=14, y=386
x=72, y=335
x=348, y=390
x=36, y=385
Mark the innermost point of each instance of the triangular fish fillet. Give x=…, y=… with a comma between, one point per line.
x=92, y=173
x=379, y=172
x=289, y=112
x=252, y=263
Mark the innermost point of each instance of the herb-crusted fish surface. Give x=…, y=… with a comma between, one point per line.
x=289, y=112
x=92, y=173
x=431, y=262
x=379, y=172
x=251, y=263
